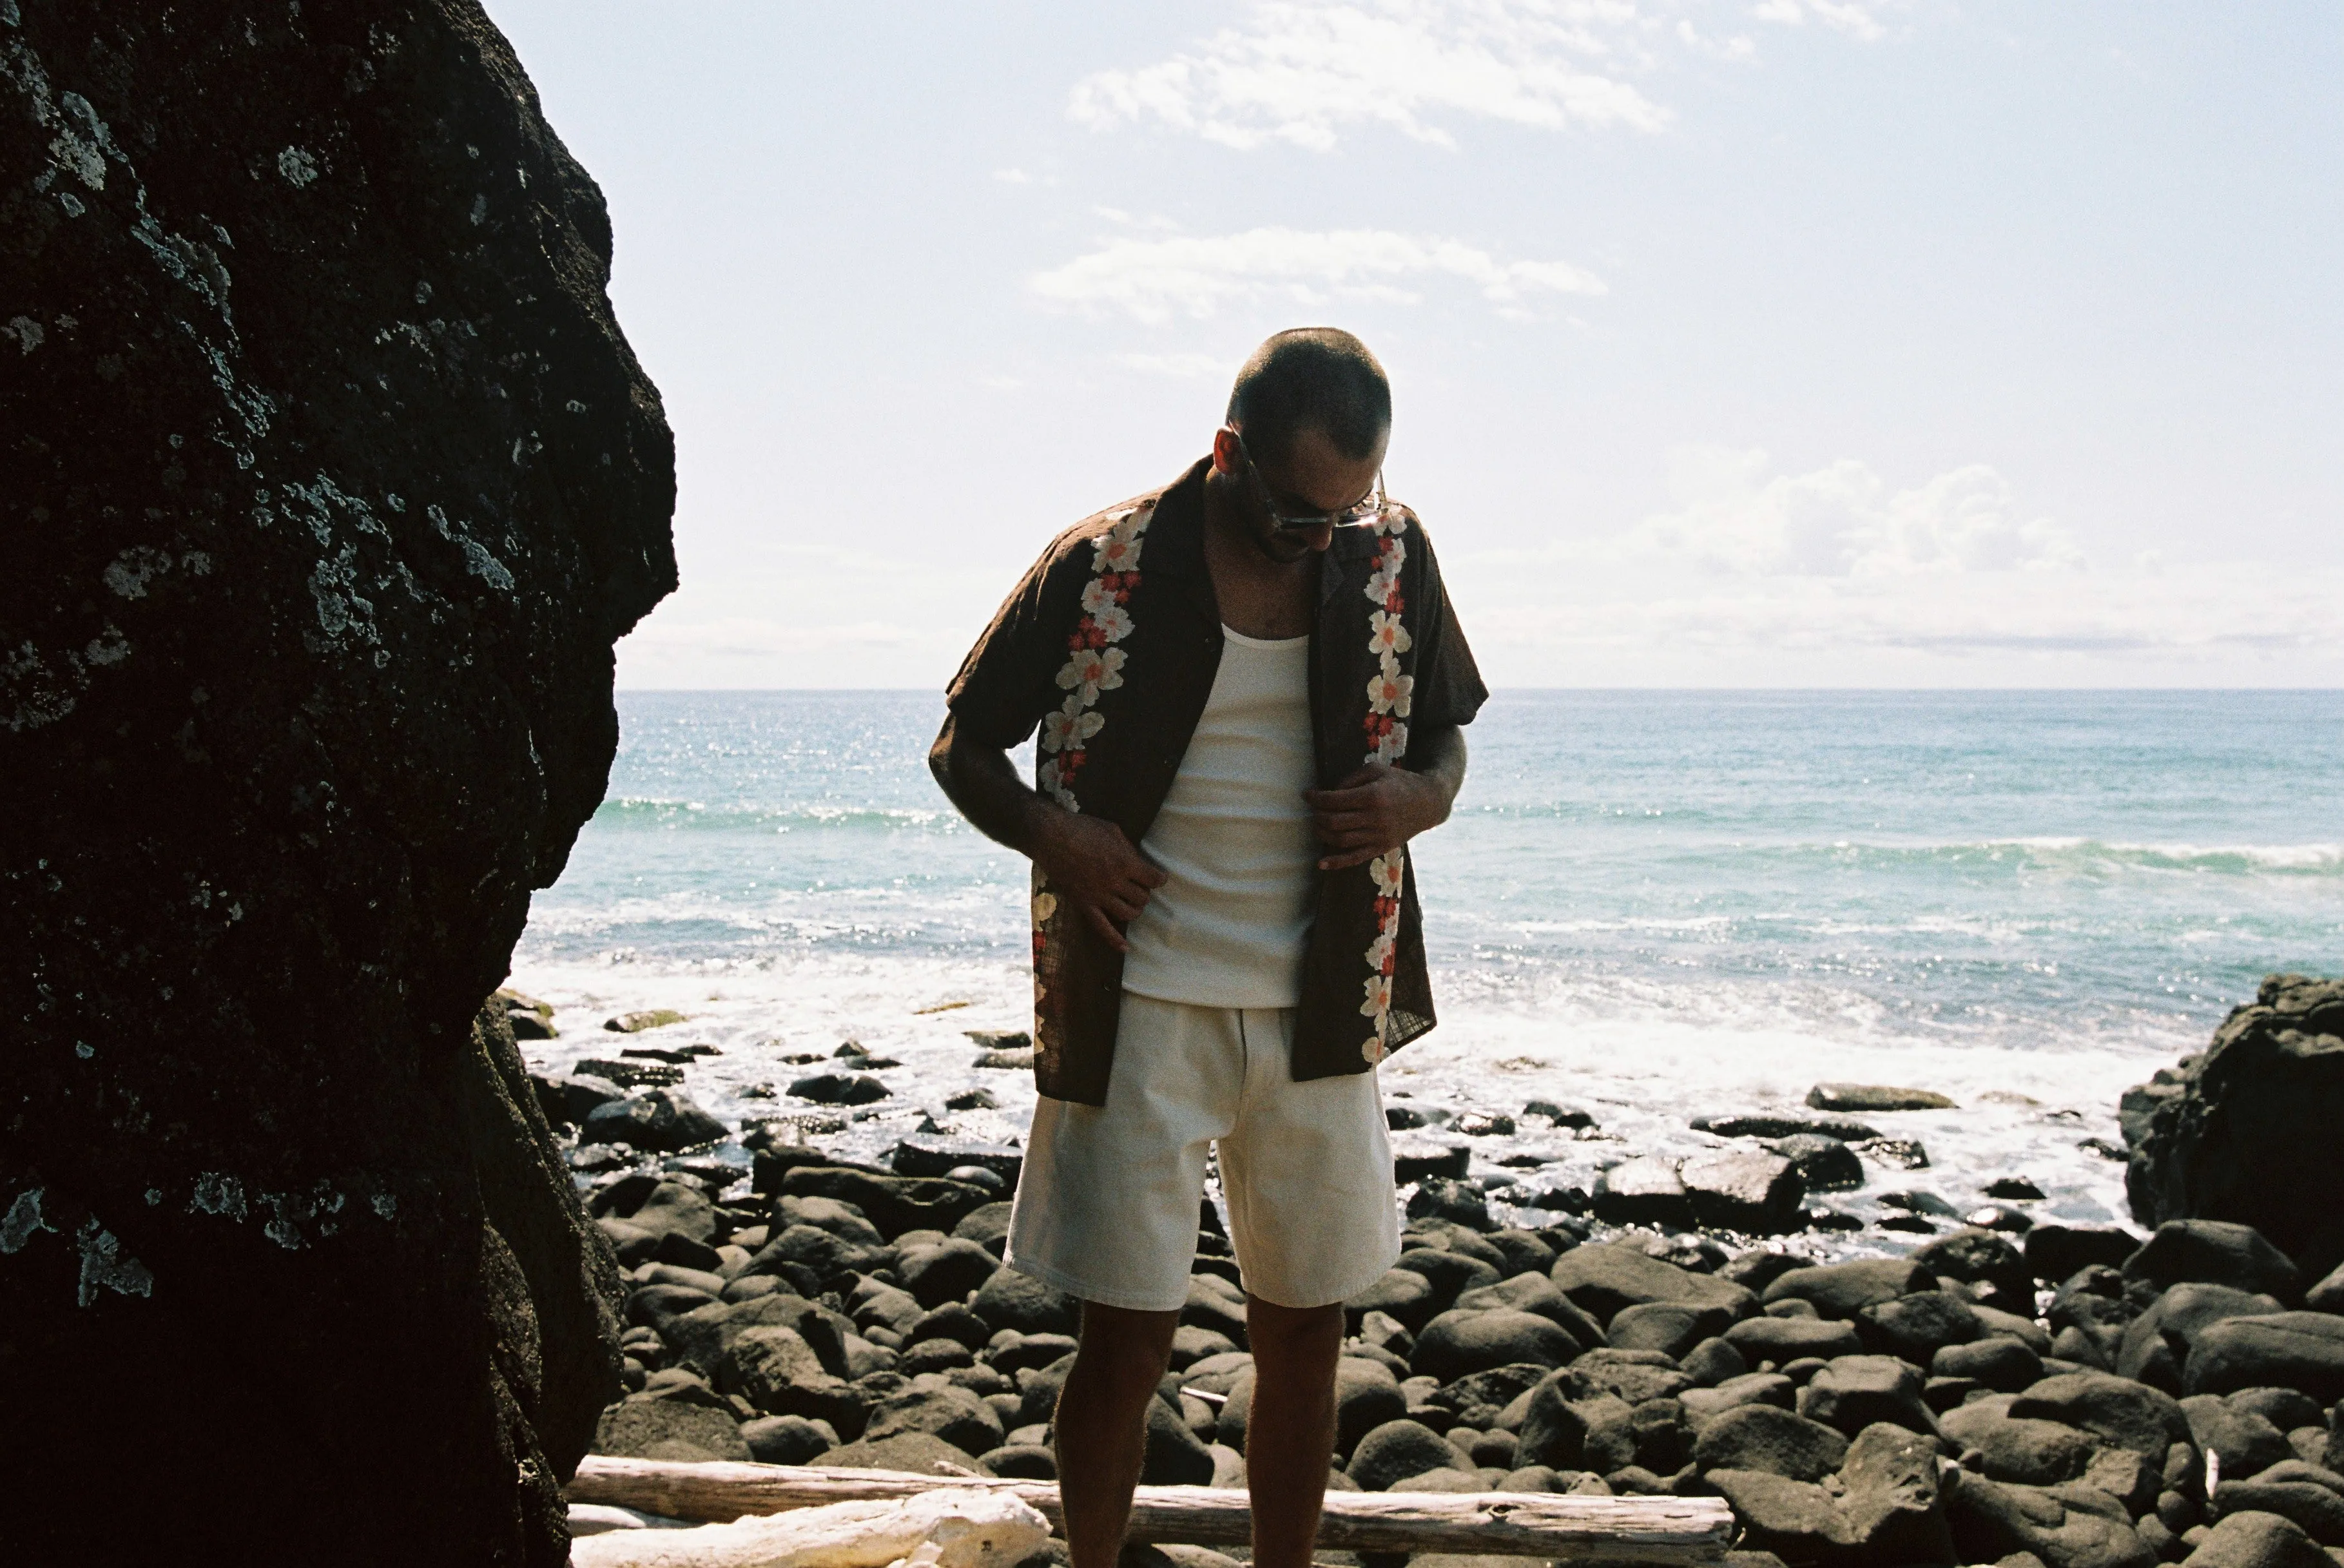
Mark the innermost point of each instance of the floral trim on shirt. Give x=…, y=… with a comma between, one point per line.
x=1093, y=664
x=1390, y=695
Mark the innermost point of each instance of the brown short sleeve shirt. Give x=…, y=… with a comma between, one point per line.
x=1109, y=646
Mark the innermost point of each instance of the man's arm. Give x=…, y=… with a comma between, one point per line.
x=1086, y=860
x=1379, y=807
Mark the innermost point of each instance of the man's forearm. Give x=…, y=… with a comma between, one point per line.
x=984, y=784
x=1441, y=763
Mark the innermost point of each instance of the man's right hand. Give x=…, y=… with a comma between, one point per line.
x=1090, y=865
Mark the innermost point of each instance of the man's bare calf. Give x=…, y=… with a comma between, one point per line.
x=1102, y=1425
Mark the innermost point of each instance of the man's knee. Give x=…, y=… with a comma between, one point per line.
x=1121, y=1345
x=1304, y=1335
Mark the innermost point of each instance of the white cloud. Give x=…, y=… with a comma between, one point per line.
x=1843, y=520
x=1298, y=71
x=1155, y=280
x=1836, y=576
x=1303, y=71
x=1186, y=367
x=1013, y=177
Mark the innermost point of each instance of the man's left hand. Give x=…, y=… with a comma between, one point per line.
x=1376, y=809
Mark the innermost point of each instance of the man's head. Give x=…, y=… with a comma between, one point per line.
x=1312, y=414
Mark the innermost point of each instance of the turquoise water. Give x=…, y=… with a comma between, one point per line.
x=1658, y=902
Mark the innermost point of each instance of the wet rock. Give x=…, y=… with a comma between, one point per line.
x=1844, y=1289
x=1904, y=1153
x=1769, y=1126
x=1645, y=1190
x=840, y=1089
x=1396, y=1449
x=571, y=1100
x=1851, y=1393
x=1456, y=1344
x=1423, y=1159
x=664, y=1120
x=895, y=1204
x=1762, y=1438
x=1864, y=1098
x=1603, y=1279
x=1525, y=1251
x=1824, y=1164
x=642, y=1019
x=1560, y=1116
x=1983, y=1259
x=2212, y=1252
x=633, y=1075
x=2018, y=1189
x=1458, y=1202
x=1744, y=1190
x=2244, y=1131
x=2300, y=1351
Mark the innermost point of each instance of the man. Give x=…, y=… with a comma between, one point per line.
x=1249, y=688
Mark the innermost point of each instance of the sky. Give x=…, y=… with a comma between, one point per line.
x=1803, y=343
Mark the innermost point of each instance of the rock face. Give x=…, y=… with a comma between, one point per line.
x=330, y=483
x=2246, y=1131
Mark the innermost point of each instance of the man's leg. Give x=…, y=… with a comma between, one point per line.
x=1290, y=1433
x=1102, y=1424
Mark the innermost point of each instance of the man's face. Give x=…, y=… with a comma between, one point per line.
x=1310, y=478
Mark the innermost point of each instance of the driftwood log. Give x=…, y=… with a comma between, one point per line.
x=1570, y=1527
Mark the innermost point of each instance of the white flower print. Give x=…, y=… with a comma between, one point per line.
x=1378, y=1006
x=1098, y=595
x=1386, y=635
x=1117, y=549
x=1114, y=622
x=1389, y=691
x=1386, y=870
x=1072, y=725
x=1092, y=671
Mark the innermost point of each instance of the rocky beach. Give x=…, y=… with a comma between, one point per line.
x=1935, y=1383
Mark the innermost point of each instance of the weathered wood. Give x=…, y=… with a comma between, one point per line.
x=1568, y=1527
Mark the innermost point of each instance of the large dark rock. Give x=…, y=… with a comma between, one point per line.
x=1602, y=1279
x=2156, y=1345
x=2300, y=1351
x=2257, y=1540
x=2246, y=1131
x=1645, y=1190
x=330, y=483
x=1844, y=1289
x=892, y=1203
x=664, y=1120
x=2211, y=1252
x=1399, y=1448
x=1853, y=1392
x=1744, y=1191
x=2120, y=1413
x=2062, y=1527
x=1455, y=1344
x=1761, y=1437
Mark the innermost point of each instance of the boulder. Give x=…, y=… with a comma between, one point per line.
x=1603, y=1279
x=2257, y=1540
x=1452, y=1273
x=787, y=1439
x=1981, y=1257
x=1714, y=1362
x=1744, y=1191
x=1670, y=1328
x=2001, y=1363
x=915, y=1453
x=1215, y=1305
x=1645, y=1190
x=1366, y=1396
x=1569, y=1432
x=2054, y=1252
x=2300, y=1351
x=840, y=1089
x=1865, y=1098
x=1399, y=1448
x=1008, y=1299
x=1762, y=1438
x=832, y=1264
x=1445, y=1198
x=895, y=1204
x=1456, y=1343
x=2156, y=1345
x=2246, y=1441
x=1403, y=1295
x=1536, y=1293
x=1916, y=1327
x=2317, y=1508
x=2245, y=1130
x=1851, y=1393
x=1634, y=1376
x=641, y=1427
x=942, y=1410
x=2030, y=1452
x=2066, y=1527
x=662, y=1120
x=1824, y=1164
x=2211, y=1252
x=1763, y=1125
x=1883, y=1510
x=570, y=1100
x=2120, y=1413
x=1781, y=1340
x=949, y=1270
x=1844, y=1289
x=775, y=1369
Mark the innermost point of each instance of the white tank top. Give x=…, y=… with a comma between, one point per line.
x=1233, y=837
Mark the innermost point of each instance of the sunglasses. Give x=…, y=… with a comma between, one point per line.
x=1365, y=513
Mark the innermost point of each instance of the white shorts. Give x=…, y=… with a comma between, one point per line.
x=1106, y=1204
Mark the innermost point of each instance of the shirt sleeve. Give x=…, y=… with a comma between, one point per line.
x=1009, y=679
x=1448, y=689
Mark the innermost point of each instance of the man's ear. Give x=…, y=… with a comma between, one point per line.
x=1226, y=455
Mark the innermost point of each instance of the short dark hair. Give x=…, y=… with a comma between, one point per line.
x=1311, y=379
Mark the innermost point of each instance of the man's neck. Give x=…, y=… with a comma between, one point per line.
x=1259, y=594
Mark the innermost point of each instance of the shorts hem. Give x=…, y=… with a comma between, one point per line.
x=1339, y=1297
x=1058, y=1279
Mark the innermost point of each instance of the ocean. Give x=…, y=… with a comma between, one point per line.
x=1649, y=905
